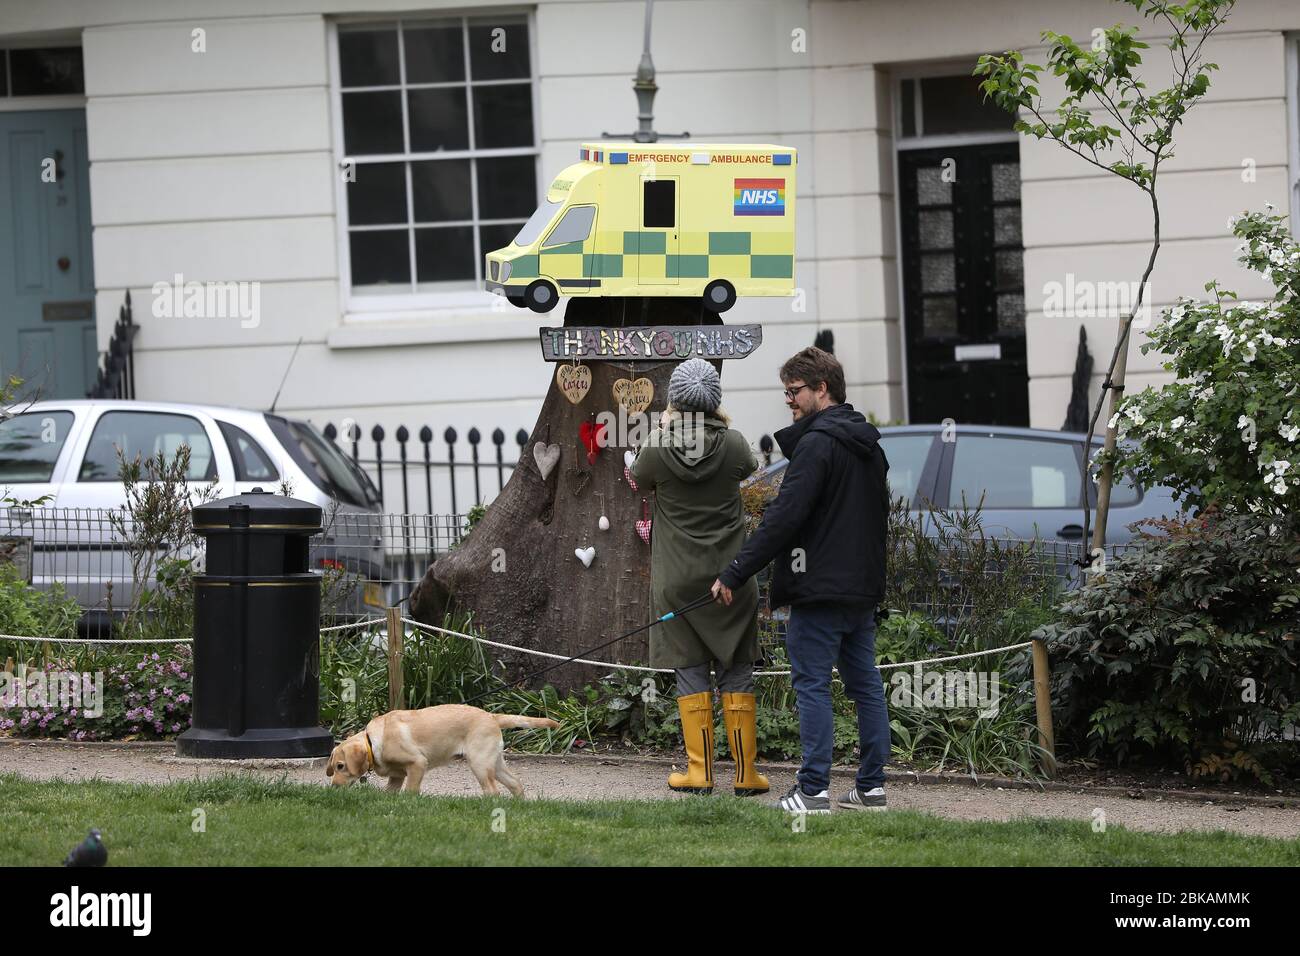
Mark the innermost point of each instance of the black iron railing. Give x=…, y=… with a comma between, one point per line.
x=412, y=464
x=116, y=378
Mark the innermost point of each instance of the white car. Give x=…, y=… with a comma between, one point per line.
x=67, y=452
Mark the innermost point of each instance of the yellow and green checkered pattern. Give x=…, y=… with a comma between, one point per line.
x=644, y=255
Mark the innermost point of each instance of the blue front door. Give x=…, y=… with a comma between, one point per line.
x=47, y=282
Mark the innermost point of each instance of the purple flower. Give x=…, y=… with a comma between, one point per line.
x=155, y=656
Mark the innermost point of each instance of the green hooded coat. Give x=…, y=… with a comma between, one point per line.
x=695, y=467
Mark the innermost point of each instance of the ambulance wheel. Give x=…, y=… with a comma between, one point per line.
x=719, y=296
x=541, y=296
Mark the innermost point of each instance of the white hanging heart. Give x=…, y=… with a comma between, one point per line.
x=628, y=458
x=547, y=457
x=585, y=555
x=603, y=523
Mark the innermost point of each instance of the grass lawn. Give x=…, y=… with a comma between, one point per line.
x=255, y=822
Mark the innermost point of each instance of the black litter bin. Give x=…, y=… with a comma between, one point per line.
x=256, y=632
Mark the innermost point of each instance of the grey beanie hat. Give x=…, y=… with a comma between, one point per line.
x=695, y=387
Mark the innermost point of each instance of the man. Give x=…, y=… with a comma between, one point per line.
x=826, y=530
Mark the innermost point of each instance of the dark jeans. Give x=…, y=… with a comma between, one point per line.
x=819, y=637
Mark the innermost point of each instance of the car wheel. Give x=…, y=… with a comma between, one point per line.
x=719, y=296
x=541, y=296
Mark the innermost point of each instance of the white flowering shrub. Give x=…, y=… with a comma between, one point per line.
x=1227, y=432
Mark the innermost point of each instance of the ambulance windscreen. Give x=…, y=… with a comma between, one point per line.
x=538, y=221
x=574, y=227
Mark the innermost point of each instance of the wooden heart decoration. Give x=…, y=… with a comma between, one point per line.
x=592, y=439
x=574, y=381
x=634, y=395
x=585, y=555
x=547, y=457
x=628, y=458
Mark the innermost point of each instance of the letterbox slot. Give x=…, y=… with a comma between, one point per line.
x=295, y=554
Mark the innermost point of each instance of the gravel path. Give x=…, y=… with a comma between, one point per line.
x=585, y=777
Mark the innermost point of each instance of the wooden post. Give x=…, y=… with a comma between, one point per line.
x=396, y=698
x=1043, y=706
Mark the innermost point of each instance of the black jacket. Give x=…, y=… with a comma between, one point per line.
x=833, y=504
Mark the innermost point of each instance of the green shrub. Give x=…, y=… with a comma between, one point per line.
x=1184, y=650
x=24, y=610
x=1227, y=431
x=474, y=516
x=124, y=694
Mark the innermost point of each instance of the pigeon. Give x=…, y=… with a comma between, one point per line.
x=90, y=852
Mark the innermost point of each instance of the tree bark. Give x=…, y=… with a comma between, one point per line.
x=540, y=595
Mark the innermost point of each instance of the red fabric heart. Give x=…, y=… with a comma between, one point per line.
x=592, y=436
x=643, y=526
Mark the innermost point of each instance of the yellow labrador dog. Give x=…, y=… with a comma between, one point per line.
x=402, y=744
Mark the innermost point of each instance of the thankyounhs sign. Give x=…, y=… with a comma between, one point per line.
x=666, y=343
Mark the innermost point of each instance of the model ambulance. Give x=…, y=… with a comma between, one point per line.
x=636, y=219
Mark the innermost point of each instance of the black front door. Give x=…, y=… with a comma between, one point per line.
x=963, y=285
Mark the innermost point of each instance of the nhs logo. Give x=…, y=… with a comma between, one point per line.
x=759, y=197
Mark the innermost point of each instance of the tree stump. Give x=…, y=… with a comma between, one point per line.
x=516, y=572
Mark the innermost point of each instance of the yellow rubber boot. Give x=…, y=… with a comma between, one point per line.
x=697, y=733
x=738, y=713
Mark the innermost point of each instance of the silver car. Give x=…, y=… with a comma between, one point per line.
x=67, y=453
x=1026, y=481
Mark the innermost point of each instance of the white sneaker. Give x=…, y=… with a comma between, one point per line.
x=796, y=801
x=856, y=799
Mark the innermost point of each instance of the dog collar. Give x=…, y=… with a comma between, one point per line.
x=370, y=754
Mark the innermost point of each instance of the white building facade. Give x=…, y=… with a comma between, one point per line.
x=354, y=159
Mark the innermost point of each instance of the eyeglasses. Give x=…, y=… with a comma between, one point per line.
x=790, y=393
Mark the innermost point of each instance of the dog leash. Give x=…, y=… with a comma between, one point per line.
x=706, y=598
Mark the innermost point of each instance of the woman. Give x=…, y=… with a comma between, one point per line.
x=694, y=463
